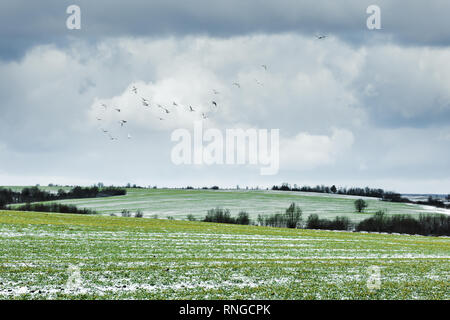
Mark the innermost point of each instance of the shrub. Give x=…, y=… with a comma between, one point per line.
x=243, y=218
x=338, y=223
x=126, y=213
x=290, y=219
x=139, y=214
x=277, y=220
x=219, y=215
x=341, y=223
x=313, y=222
x=191, y=217
x=375, y=223
x=293, y=216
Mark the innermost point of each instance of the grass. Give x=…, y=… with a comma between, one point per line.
x=179, y=203
x=129, y=258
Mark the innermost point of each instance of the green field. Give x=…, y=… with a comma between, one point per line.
x=178, y=203
x=129, y=258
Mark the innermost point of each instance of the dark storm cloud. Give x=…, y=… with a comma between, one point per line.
x=27, y=23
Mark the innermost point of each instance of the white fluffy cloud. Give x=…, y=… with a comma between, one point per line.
x=381, y=102
x=306, y=151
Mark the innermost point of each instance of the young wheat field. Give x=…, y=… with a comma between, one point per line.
x=64, y=256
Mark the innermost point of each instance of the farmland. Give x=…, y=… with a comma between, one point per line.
x=129, y=258
x=178, y=203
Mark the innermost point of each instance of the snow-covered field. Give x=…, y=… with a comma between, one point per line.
x=179, y=203
x=432, y=209
x=54, y=256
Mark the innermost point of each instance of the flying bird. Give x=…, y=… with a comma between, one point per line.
x=204, y=116
x=264, y=66
x=117, y=109
x=111, y=137
x=104, y=131
x=122, y=122
x=258, y=82
x=237, y=84
x=134, y=90
x=216, y=92
x=175, y=104
x=165, y=109
x=214, y=103
x=321, y=37
x=104, y=106
x=191, y=109
x=145, y=103
x=99, y=119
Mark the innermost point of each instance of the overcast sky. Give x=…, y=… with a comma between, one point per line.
x=359, y=108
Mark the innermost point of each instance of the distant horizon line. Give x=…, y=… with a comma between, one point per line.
x=189, y=187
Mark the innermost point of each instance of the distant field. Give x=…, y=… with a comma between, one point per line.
x=129, y=258
x=179, y=203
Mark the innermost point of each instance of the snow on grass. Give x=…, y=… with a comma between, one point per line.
x=122, y=258
x=179, y=203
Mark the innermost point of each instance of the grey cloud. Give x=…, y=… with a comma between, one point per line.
x=405, y=87
x=24, y=23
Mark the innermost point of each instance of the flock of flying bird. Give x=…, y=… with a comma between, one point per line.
x=146, y=103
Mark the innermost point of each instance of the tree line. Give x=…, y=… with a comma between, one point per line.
x=435, y=225
x=35, y=194
x=364, y=192
x=54, y=207
x=427, y=225
x=396, y=197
